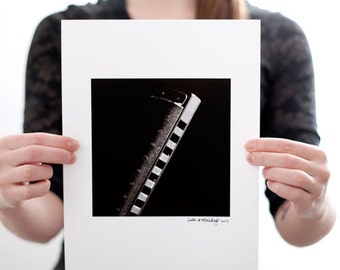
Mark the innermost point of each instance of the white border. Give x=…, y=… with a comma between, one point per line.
x=161, y=49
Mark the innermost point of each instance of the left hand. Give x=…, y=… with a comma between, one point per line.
x=295, y=171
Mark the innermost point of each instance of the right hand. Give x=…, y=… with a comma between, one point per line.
x=24, y=165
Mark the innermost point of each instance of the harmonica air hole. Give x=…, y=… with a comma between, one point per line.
x=174, y=137
x=153, y=177
x=146, y=190
x=160, y=164
x=167, y=151
x=139, y=203
x=182, y=124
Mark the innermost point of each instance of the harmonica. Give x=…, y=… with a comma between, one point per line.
x=180, y=109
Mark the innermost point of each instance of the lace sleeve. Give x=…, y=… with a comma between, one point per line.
x=287, y=86
x=43, y=87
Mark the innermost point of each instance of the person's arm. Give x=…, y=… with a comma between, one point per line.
x=27, y=207
x=298, y=173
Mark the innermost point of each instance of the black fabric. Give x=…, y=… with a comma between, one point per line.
x=61, y=262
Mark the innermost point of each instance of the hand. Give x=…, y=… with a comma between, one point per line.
x=24, y=165
x=295, y=171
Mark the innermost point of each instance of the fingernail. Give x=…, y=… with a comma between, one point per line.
x=249, y=145
x=69, y=145
x=72, y=145
x=250, y=158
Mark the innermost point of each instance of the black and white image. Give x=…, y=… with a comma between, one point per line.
x=167, y=150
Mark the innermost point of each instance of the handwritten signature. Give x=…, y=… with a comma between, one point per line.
x=214, y=221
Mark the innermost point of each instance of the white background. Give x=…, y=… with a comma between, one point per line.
x=319, y=21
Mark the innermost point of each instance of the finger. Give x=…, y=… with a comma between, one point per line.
x=293, y=178
x=46, y=139
x=28, y=173
x=303, y=150
x=299, y=197
x=41, y=154
x=15, y=194
x=272, y=159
